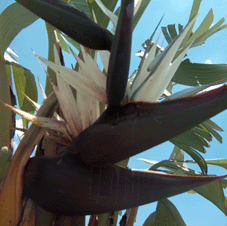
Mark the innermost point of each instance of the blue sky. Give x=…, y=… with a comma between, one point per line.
x=194, y=209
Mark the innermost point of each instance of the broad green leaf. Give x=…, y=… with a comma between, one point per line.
x=5, y=158
x=217, y=162
x=166, y=35
x=12, y=20
x=25, y=84
x=166, y=214
x=203, y=27
x=194, y=11
x=10, y=193
x=212, y=192
x=190, y=139
x=213, y=132
x=180, y=27
x=210, y=124
x=5, y=114
x=200, y=35
x=195, y=74
x=215, y=28
x=74, y=43
x=82, y=5
x=8, y=71
x=202, y=133
x=172, y=31
x=178, y=155
x=62, y=41
x=172, y=166
x=102, y=19
x=51, y=42
x=195, y=8
x=194, y=154
x=150, y=221
x=103, y=219
x=224, y=183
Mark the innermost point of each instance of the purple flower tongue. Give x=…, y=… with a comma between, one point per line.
x=125, y=131
x=65, y=185
x=72, y=22
x=117, y=75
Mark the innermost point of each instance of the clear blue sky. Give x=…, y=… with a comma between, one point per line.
x=194, y=209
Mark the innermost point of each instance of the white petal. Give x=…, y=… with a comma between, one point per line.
x=95, y=110
x=67, y=102
x=153, y=86
x=143, y=74
x=44, y=122
x=42, y=90
x=95, y=72
x=78, y=81
x=186, y=92
x=83, y=102
x=105, y=56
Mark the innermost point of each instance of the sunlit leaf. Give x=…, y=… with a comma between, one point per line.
x=166, y=214
x=5, y=158
x=217, y=162
x=12, y=20
x=199, y=74
x=25, y=84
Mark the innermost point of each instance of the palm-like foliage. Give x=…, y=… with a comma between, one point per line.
x=128, y=125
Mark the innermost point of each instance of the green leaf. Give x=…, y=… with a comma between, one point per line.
x=194, y=11
x=212, y=192
x=202, y=133
x=195, y=74
x=102, y=19
x=213, y=132
x=103, y=219
x=195, y=8
x=172, y=31
x=210, y=124
x=190, y=139
x=62, y=41
x=204, y=26
x=25, y=84
x=12, y=20
x=51, y=42
x=166, y=34
x=82, y=5
x=217, y=162
x=5, y=158
x=215, y=28
x=166, y=214
x=150, y=221
x=74, y=43
x=194, y=154
x=5, y=114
